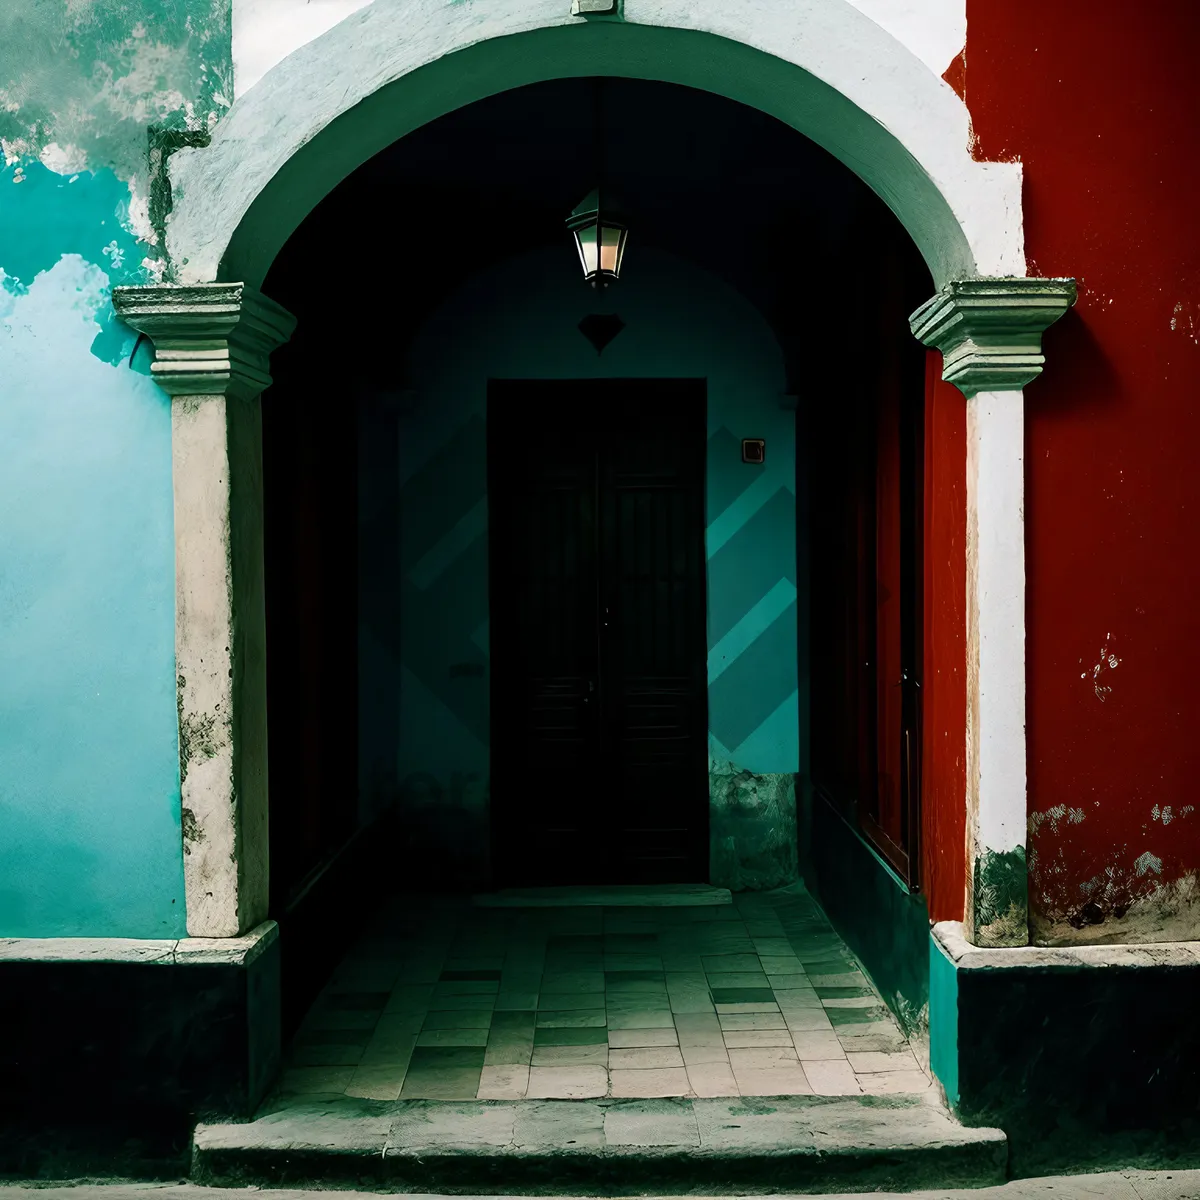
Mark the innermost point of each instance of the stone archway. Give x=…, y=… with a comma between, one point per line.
x=817, y=65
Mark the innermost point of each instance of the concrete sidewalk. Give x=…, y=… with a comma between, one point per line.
x=1126, y=1185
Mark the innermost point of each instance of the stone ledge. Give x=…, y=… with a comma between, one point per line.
x=949, y=937
x=239, y=951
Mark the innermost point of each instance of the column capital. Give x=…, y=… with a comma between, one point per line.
x=209, y=338
x=990, y=330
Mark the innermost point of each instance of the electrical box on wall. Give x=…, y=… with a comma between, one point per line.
x=754, y=450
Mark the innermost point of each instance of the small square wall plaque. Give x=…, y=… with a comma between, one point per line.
x=583, y=8
x=754, y=450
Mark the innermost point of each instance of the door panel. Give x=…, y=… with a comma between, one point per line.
x=653, y=662
x=599, y=755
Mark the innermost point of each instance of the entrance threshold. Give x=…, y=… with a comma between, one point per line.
x=665, y=895
x=607, y=1147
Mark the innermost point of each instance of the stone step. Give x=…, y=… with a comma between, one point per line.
x=745, y=1146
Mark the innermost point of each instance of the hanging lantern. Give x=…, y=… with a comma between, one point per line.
x=600, y=232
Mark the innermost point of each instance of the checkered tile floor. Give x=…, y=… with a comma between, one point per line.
x=440, y=1000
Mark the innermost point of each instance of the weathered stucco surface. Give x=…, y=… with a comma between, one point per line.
x=821, y=66
x=90, y=817
x=82, y=83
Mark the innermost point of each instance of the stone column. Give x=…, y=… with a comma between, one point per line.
x=990, y=333
x=212, y=343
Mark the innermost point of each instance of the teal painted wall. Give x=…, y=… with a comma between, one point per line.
x=89, y=791
x=943, y=1020
x=521, y=322
x=89, y=778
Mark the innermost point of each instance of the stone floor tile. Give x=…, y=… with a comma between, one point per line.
x=441, y=1083
x=619, y=1018
x=377, y=1082
x=747, y=1009
x=826, y=963
x=508, y=1051
x=761, y=1058
x=772, y=945
x=712, y=1079
x=457, y=1019
x=516, y=1001
x=568, y=1083
x=357, y=1001
x=392, y=1050
x=870, y=1000
x=712, y=1052
x=398, y=1025
x=788, y=994
x=575, y=1018
x=691, y=1002
x=578, y=1056
x=475, y=1002
x=637, y=988
x=885, y=1083
x=594, y=1035
x=740, y=1038
x=693, y=1025
x=667, y=1081
x=752, y=1020
x=564, y=1001
x=633, y=962
x=682, y=962
x=310, y=1081
x=642, y=1057
x=467, y=987
x=884, y=1041
x=726, y=963
x=807, y=1020
x=830, y=1077
x=818, y=1045
x=784, y=964
x=503, y=1083
x=863, y=1062
x=737, y=979
x=626, y=1038
x=773, y=1081
x=514, y=1022
x=572, y=982
x=453, y=1037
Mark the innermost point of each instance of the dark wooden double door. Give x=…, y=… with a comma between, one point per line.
x=598, y=641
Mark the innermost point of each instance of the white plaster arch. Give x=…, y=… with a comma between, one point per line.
x=821, y=66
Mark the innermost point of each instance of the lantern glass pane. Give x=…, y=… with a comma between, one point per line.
x=612, y=237
x=621, y=251
x=585, y=241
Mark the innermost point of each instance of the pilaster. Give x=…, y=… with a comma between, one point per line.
x=990, y=334
x=212, y=344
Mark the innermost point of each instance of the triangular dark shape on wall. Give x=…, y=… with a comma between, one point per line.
x=600, y=329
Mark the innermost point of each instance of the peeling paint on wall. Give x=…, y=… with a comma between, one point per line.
x=82, y=82
x=1001, y=881
x=1102, y=670
x=752, y=833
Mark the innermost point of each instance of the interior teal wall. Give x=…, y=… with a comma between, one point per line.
x=89, y=785
x=520, y=321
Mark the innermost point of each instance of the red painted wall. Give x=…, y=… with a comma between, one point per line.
x=944, y=682
x=1098, y=99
